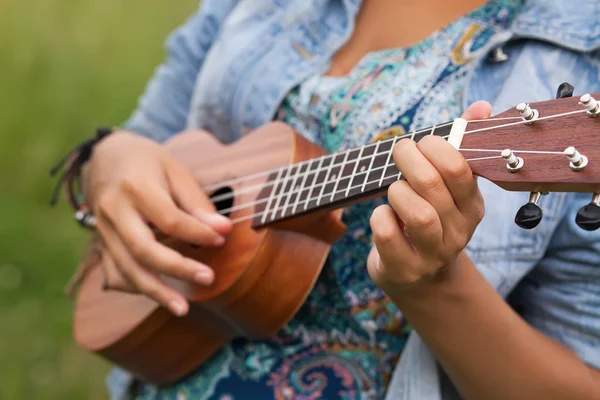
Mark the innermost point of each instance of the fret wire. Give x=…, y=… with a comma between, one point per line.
x=314, y=181
x=291, y=190
x=355, y=187
x=339, y=177
x=301, y=186
x=444, y=125
x=331, y=165
x=370, y=166
x=362, y=149
x=282, y=192
x=271, y=195
x=330, y=156
x=326, y=157
x=387, y=161
x=432, y=129
x=264, y=173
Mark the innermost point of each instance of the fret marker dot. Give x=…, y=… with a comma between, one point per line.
x=334, y=176
x=363, y=168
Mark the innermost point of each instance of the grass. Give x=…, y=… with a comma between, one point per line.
x=65, y=67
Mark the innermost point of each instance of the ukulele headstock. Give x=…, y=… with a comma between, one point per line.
x=548, y=146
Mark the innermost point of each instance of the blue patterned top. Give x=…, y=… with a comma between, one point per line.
x=345, y=340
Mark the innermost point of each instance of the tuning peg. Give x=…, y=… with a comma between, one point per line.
x=530, y=215
x=591, y=105
x=565, y=90
x=588, y=217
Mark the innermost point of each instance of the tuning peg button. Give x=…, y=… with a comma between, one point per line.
x=588, y=217
x=530, y=215
x=565, y=90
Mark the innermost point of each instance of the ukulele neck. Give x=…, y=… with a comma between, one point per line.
x=340, y=179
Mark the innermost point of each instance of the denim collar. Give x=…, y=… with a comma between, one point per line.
x=571, y=24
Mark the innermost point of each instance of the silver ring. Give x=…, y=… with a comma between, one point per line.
x=85, y=218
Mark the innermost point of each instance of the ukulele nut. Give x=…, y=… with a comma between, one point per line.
x=577, y=161
x=592, y=106
x=527, y=113
x=513, y=163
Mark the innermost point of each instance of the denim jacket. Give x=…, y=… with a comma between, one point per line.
x=230, y=65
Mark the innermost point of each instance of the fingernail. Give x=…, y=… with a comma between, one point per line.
x=178, y=308
x=219, y=241
x=203, y=277
x=211, y=218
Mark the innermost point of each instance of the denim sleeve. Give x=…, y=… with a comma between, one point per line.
x=163, y=108
x=561, y=295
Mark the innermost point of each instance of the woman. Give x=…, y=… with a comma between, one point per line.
x=339, y=72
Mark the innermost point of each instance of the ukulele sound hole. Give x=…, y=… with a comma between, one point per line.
x=223, y=200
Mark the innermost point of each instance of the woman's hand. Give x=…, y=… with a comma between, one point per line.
x=432, y=216
x=131, y=183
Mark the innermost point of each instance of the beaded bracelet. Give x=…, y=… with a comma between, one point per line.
x=72, y=164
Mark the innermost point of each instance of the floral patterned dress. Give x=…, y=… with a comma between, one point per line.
x=346, y=339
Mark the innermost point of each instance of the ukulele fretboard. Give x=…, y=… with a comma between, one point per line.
x=333, y=180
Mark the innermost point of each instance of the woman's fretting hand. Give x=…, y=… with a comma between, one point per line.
x=132, y=182
x=432, y=214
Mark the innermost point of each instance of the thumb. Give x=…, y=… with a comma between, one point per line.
x=478, y=110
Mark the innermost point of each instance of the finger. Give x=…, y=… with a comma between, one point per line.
x=423, y=177
x=453, y=169
x=158, y=208
x=388, y=236
x=147, y=251
x=113, y=278
x=190, y=197
x=420, y=218
x=478, y=110
x=143, y=280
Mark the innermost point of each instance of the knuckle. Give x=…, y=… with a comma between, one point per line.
x=409, y=277
x=461, y=239
x=130, y=186
x=139, y=250
x=431, y=183
x=478, y=211
x=424, y=219
x=459, y=169
x=169, y=223
x=106, y=203
x=384, y=235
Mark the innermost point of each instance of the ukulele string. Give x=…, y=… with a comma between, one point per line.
x=308, y=200
x=516, y=151
x=302, y=163
x=229, y=195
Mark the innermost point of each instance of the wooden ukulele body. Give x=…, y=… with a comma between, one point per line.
x=246, y=299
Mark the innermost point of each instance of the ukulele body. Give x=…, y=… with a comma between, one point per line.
x=262, y=277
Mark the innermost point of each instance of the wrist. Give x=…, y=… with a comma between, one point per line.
x=446, y=284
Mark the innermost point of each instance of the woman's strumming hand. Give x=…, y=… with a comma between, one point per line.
x=432, y=214
x=133, y=183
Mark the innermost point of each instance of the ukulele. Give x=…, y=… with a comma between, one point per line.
x=285, y=196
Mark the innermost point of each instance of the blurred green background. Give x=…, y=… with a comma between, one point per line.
x=65, y=67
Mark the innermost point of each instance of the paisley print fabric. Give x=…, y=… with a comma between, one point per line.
x=347, y=337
